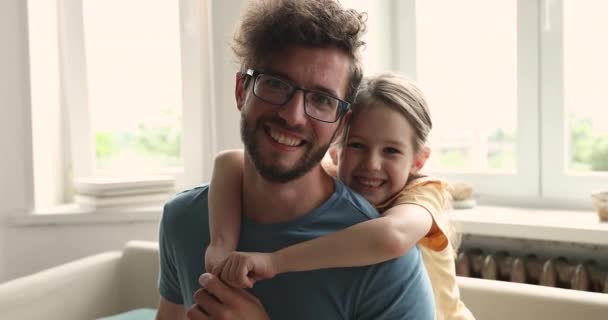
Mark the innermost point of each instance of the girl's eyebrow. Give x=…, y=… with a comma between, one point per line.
x=397, y=143
x=391, y=142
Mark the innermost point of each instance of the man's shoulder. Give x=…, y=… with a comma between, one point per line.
x=352, y=201
x=185, y=204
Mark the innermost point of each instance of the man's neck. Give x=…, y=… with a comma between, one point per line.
x=270, y=202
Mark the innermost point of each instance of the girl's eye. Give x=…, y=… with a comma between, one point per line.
x=391, y=150
x=355, y=145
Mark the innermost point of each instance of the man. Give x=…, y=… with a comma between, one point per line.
x=300, y=64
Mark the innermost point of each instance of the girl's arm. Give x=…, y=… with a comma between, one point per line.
x=225, y=204
x=366, y=243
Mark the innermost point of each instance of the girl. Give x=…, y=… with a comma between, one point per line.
x=379, y=156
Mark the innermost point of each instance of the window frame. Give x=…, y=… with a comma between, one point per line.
x=198, y=127
x=558, y=183
x=524, y=183
x=539, y=181
x=212, y=124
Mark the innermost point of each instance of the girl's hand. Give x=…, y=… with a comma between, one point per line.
x=215, y=256
x=243, y=269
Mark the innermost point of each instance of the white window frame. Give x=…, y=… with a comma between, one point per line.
x=212, y=121
x=541, y=179
x=524, y=183
x=199, y=129
x=559, y=185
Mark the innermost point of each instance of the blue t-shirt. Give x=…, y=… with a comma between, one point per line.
x=396, y=289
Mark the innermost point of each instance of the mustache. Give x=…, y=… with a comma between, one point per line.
x=282, y=123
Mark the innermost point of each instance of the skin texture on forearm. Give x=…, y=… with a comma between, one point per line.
x=370, y=242
x=225, y=199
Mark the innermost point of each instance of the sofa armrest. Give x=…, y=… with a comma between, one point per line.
x=82, y=289
x=139, y=275
x=498, y=300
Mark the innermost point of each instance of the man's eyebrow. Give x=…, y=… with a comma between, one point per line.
x=317, y=88
x=327, y=91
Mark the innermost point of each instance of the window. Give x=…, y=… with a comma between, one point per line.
x=472, y=63
x=468, y=68
x=573, y=101
x=516, y=91
x=585, y=95
x=133, y=76
x=116, y=91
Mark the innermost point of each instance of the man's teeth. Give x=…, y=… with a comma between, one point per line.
x=369, y=182
x=283, y=139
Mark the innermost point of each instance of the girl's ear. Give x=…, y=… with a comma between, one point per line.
x=420, y=159
x=333, y=153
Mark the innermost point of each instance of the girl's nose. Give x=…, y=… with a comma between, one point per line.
x=373, y=162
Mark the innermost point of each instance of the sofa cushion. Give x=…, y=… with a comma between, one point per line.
x=137, y=314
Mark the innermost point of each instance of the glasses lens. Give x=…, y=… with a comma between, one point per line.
x=272, y=89
x=321, y=106
x=277, y=91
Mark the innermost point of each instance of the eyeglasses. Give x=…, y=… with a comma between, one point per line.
x=317, y=105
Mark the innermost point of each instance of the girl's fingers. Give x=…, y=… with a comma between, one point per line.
x=226, y=269
x=234, y=269
x=244, y=268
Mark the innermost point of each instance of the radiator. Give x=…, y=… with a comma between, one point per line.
x=554, y=272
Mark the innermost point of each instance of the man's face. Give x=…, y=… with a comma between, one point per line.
x=282, y=141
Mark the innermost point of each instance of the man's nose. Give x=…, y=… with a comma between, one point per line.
x=293, y=111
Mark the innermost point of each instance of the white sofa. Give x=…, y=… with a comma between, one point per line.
x=115, y=282
x=89, y=288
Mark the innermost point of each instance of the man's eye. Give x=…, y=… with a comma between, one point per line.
x=275, y=84
x=320, y=99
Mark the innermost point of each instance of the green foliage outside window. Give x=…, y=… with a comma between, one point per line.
x=599, y=154
x=588, y=152
x=160, y=145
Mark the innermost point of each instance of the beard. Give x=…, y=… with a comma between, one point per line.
x=267, y=168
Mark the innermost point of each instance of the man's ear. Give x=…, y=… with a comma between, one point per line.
x=420, y=159
x=239, y=90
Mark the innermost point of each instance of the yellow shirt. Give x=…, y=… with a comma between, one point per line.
x=437, y=255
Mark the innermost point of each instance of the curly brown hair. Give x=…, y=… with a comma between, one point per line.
x=267, y=26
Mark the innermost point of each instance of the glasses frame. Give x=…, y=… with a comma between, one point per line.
x=343, y=106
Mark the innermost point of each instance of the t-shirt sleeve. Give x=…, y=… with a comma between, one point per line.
x=397, y=289
x=168, y=280
x=430, y=194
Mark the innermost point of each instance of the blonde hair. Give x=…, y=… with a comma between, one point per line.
x=403, y=95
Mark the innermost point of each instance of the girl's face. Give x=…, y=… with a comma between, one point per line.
x=379, y=156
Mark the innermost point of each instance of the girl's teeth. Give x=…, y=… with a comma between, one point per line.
x=370, y=182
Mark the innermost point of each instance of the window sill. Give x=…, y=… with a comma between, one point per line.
x=524, y=223
x=550, y=225
x=72, y=214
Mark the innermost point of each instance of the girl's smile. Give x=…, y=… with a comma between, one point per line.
x=378, y=156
